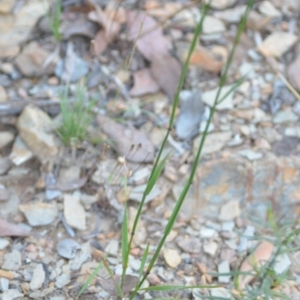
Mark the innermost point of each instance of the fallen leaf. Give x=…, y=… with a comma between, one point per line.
x=143, y=83
x=124, y=138
x=203, y=58
x=9, y=229
x=110, y=26
x=150, y=40
x=109, y=286
x=78, y=26
x=257, y=259
x=166, y=70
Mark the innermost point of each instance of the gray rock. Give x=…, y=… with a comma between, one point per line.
x=209, y=98
x=3, y=243
x=34, y=128
x=190, y=116
x=20, y=152
x=112, y=248
x=4, y=284
x=40, y=213
x=223, y=267
x=6, y=138
x=285, y=116
x=38, y=277
x=282, y=263
x=81, y=256
x=5, y=165
x=12, y=294
x=12, y=261
x=230, y=211
x=67, y=248
x=74, y=212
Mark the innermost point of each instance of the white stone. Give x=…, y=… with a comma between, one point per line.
x=214, y=142
x=292, y=131
x=172, y=257
x=81, y=256
x=12, y=260
x=35, y=130
x=12, y=294
x=268, y=9
x=230, y=211
x=38, y=214
x=232, y=15
x=221, y=293
x=285, y=116
x=277, y=43
x=4, y=284
x=220, y=4
x=206, y=232
x=3, y=243
x=137, y=193
x=210, y=96
x=210, y=248
x=20, y=152
x=250, y=154
x=212, y=25
x=38, y=278
x=282, y=263
x=112, y=248
x=223, y=267
x=6, y=138
x=74, y=212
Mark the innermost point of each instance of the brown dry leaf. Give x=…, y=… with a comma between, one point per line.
x=108, y=285
x=125, y=137
x=143, y=83
x=9, y=229
x=111, y=27
x=78, y=26
x=258, y=258
x=203, y=58
x=149, y=37
x=166, y=70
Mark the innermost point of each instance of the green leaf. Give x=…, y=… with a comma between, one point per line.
x=144, y=259
x=90, y=279
x=155, y=175
x=177, y=287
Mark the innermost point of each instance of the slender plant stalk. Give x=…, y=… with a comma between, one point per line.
x=179, y=202
x=171, y=123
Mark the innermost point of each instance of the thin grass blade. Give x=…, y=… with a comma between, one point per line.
x=155, y=175
x=143, y=261
x=177, y=287
x=90, y=279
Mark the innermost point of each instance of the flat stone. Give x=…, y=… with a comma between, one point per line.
x=40, y=213
x=4, y=193
x=273, y=46
x=38, y=277
x=210, y=96
x=268, y=9
x=67, y=248
x=289, y=131
x=20, y=152
x=210, y=248
x=212, y=25
x=3, y=243
x=285, y=116
x=250, y=154
x=6, y=138
x=5, y=165
x=221, y=293
x=62, y=280
x=12, y=261
x=81, y=257
x=31, y=61
x=282, y=263
x=136, y=193
x=4, y=284
x=223, y=267
x=189, y=245
x=220, y=4
x=41, y=294
x=112, y=248
x=74, y=211
x=172, y=258
x=69, y=174
x=34, y=128
x=214, y=142
x=12, y=294
x=230, y=211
